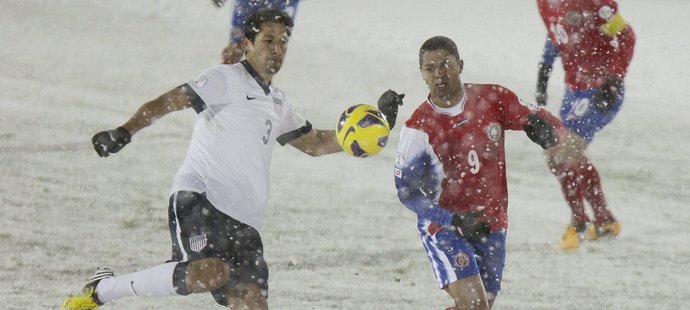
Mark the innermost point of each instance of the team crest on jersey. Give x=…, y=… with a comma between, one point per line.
x=278, y=105
x=461, y=260
x=197, y=243
x=201, y=81
x=493, y=131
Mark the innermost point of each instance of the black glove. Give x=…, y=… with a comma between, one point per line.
x=604, y=99
x=388, y=105
x=542, y=82
x=110, y=141
x=540, y=131
x=218, y=3
x=469, y=225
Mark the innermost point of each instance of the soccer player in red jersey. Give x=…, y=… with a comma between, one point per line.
x=450, y=170
x=595, y=45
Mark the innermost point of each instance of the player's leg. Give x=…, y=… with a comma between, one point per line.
x=491, y=259
x=455, y=268
x=187, y=272
x=203, y=232
x=583, y=121
x=240, y=248
x=564, y=162
x=248, y=284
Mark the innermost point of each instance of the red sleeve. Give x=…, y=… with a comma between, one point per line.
x=516, y=112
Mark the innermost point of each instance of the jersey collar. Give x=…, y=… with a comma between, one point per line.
x=454, y=110
x=256, y=76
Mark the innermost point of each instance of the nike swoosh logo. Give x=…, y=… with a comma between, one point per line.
x=132, y=285
x=250, y=98
x=458, y=124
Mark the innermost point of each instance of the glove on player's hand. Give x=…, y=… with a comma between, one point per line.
x=469, y=225
x=388, y=105
x=604, y=99
x=110, y=141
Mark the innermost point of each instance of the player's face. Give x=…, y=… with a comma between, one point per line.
x=267, y=52
x=441, y=72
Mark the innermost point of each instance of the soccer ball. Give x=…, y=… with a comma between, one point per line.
x=362, y=130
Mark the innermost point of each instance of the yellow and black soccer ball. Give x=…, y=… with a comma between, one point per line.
x=362, y=130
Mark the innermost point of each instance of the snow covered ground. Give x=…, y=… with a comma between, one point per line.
x=336, y=237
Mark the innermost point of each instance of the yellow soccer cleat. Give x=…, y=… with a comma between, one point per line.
x=82, y=301
x=570, y=239
x=610, y=231
x=88, y=300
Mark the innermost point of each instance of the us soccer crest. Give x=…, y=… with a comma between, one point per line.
x=278, y=105
x=197, y=243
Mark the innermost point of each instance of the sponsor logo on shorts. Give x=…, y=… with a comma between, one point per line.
x=197, y=243
x=461, y=260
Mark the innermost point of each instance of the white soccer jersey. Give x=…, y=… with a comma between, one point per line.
x=229, y=156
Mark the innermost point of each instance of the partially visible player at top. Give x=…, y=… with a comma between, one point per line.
x=595, y=44
x=234, y=51
x=450, y=170
x=219, y=195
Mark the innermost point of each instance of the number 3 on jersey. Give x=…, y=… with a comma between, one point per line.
x=269, y=127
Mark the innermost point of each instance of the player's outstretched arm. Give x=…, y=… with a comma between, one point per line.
x=112, y=141
x=548, y=57
x=317, y=142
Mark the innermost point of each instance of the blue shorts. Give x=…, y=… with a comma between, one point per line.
x=453, y=258
x=241, y=9
x=579, y=115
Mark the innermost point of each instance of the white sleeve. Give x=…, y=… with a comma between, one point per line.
x=211, y=87
x=293, y=125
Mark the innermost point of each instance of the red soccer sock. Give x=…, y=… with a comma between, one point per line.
x=594, y=194
x=569, y=176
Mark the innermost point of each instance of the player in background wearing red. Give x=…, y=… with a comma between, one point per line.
x=241, y=9
x=595, y=45
x=450, y=170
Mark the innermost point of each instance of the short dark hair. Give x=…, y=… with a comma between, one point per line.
x=253, y=24
x=439, y=43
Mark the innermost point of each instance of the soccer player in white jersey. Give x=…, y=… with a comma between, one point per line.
x=220, y=192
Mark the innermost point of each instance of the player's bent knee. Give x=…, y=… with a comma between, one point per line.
x=243, y=296
x=201, y=275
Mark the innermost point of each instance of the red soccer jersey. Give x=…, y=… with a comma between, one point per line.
x=458, y=154
x=592, y=38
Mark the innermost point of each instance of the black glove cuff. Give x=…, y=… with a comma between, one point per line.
x=122, y=135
